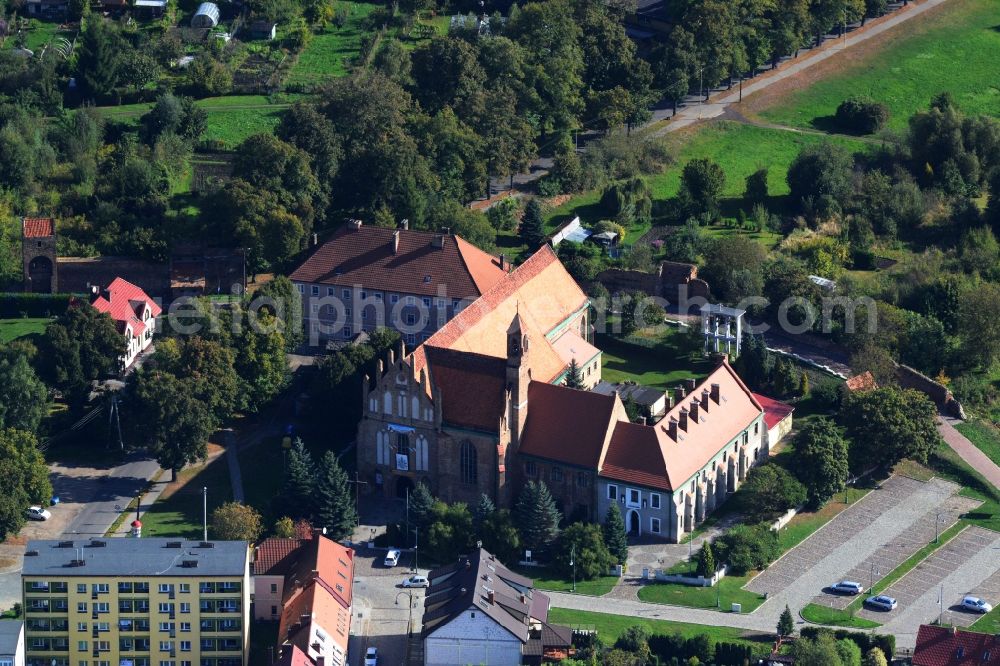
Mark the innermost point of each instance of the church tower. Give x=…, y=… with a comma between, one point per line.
x=518, y=377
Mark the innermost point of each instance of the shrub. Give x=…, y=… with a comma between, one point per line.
x=884, y=642
x=770, y=490
x=583, y=544
x=33, y=305
x=861, y=115
x=756, y=189
x=747, y=548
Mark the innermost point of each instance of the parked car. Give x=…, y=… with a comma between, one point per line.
x=416, y=581
x=37, y=513
x=392, y=558
x=882, y=602
x=371, y=657
x=847, y=587
x=976, y=605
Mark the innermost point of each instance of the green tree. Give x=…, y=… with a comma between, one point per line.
x=421, y=505
x=821, y=172
x=97, y=62
x=80, y=346
x=532, y=231
x=451, y=532
x=583, y=544
x=756, y=187
x=875, y=657
x=25, y=478
x=284, y=528
x=286, y=304
x=786, y=623
x=335, y=509
x=484, y=509
x=24, y=400
x=770, y=490
x=821, y=651
x=573, y=377
x=888, y=424
x=237, y=522
x=536, y=515
x=821, y=459
x=615, y=535
x=166, y=417
x=748, y=548
x=849, y=652
x=804, y=384
x=706, y=560
x=500, y=536
x=978, y=324
x=734, y=267
x=702, y=181
x=207, y=367
x=298, y=492
x=447, y=73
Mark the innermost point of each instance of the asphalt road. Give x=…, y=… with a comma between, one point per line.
x=117, y=489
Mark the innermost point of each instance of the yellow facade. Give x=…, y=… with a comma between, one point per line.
x=136, y=620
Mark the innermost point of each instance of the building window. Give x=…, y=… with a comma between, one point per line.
x=530, y=468
x=315, y=291
x=329, y=291
x=582, y=479
x=613, y=493
x=185, y=587
x=301, y=288
x=411, y=319
x=185, y=607
x=633, y=498
x=348, y=332
x=421, y=456
x=393, y=298
x=556, y=475
x=81, y=626
x=274, y=588
x=101, y=607
x=426, y=302
x=470, y=471
x=81, y=588
x=274, y=610
x=185, y=646
x=654, y=500
x=81, y=646
x=654, y=525
x=166, y=646
x=166, y=588
x=166, y=608
x=185, y=626
x=81, y=607
x=756, y=427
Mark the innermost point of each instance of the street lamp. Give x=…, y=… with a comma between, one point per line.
x=937, y=535
x=572, y=563
x=871, y=582
x=416, y=547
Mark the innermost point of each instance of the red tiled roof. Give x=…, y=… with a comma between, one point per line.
x=294, y=657
x=39, y=227
x=863, y=382
x=125, y=303
x=273, y=555
x=775, y=411
x=634, y=456
x=472, y=387
x=568, y=425
x=939, y=646
x=365, y=257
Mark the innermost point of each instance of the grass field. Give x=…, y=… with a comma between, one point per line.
x=954, y=50
x=547, y=580
x=658, y=367
x=178, y=512
x=984, y=436
x=723, y=595
x=610, y=627
x=329, y=53
x=989, y=623
x=11, y=329
x=835, y=617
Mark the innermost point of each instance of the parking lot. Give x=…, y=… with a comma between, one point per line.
x=855, y=535
x=383, y=609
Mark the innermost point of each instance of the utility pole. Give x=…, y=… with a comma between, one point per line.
x=204, y=512
x=407, y=513
x=416, y=549
x=572, y=562
x=357, y=496
x=701, y=84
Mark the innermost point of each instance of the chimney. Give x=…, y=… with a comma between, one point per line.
x=395, y=242
x=355, y=225
x=315, y=240
x=524, y=598
x=642, y=420
x=954, y=630
x=683, y=421
x=681, y=392
x=438, y=241
x=692, y=383
x=503, y=262
x=715, y=393
x=404, y=224
x=704, y=399
x=320, y=661
x=672, y=428
x=669, y=399
x=492, y=596
x=694, y=411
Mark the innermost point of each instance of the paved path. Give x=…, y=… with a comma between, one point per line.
x=968, y=451
x=967, y=570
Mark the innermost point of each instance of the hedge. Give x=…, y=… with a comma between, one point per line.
x=14, y=305
x=884, y=642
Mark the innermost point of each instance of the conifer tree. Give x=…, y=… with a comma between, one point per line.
x=706, y=560
x=335, y=508
x=484, y=509
x=300, y=480
x=574, y=379
x=804, y=384
x=421, y=505
x=615, y=535
x=786, y=623
x=537, y=515
x=532, y=227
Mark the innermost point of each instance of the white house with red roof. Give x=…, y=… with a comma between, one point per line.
x=133, y=312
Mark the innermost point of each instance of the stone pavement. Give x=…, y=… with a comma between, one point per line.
x=968, y=451
x=892, y=554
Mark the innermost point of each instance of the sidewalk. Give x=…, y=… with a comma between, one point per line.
x=968, y=451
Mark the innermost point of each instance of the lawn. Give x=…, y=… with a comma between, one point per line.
x=954, y=50
x=178, y=512
x=989, y=623
x=11, y=329
x=727, y=591
x=658, y=365
x=547, y=580
x=329, y=53
x=984, y=436
x=818, y=614
x=610, y=627
x=262, y=467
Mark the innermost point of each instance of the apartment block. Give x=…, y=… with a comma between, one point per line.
x=136, y=602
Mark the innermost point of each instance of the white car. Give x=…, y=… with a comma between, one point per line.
x=37, y=513
x=882, y=602
x=976, y=605
x=847, y=587
x=416, y=581
x=371, y=657
x=391, y=558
